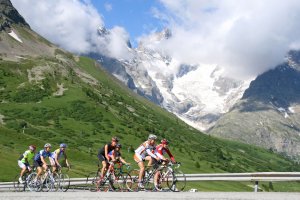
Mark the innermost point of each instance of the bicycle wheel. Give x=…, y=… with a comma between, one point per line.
x=64, y=182
x=51, y=183
x=126, y=181
x=34, y=183
x=91, y=181
x=115, y=183
x=132, y=184
x=149, y=180
x=19, y=187
x=165, y=177
x=179, y=181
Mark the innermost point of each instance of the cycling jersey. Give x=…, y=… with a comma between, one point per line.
x=109, y=149
x=43, y=153
x=26, y=157
x=145, y=149
x=117, y=154
x=160, y=151
x=59, y=153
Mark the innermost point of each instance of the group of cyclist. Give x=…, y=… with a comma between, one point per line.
x=108, y=155
x=39, y=159
x=147, y=151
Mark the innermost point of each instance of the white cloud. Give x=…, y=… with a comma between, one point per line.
x=108, y=7
x=245, y=37
x=72, y=24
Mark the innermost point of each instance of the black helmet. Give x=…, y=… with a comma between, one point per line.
x=118, y=146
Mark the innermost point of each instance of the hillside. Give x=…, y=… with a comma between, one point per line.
x=60, y=97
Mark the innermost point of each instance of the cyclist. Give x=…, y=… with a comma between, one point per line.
x=39, y=159
x=162, y=148
x=24, y=159
x=103, y=154
x=115, y=155
x=145, y=152
x=57, y=154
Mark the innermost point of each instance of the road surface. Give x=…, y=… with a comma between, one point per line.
x=148, y=195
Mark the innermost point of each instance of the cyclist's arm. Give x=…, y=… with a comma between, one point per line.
x=56, y=158
x=123, y=161
x=170, y=155
x=106, y=152
x=113, y=156
x=43, y=160
x=160, y=156
x=149, y=152
x=66, y=159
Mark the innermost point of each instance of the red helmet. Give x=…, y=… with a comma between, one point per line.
x=32, y=147
x=164, y=141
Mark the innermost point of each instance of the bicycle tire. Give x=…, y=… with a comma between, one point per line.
x=33, y=183
x=19, y=187
x=133, y=185
x=179, y=181
x=64, y=182
x=51, y=183
x=163, y=180
x=114, y=183
x=91, y=181
x=148, y=180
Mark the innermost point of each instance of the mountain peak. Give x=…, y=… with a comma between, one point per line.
x=9, y=15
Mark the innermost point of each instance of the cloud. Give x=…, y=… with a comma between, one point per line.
x=108, y=7
x=73, y=25
x=245, y=37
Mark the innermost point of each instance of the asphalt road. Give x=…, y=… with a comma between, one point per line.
x=149, y=195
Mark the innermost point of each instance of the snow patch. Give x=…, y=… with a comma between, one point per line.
x=15, y=36
x=291, y=109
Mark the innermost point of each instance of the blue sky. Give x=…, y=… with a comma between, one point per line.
x=135, y=16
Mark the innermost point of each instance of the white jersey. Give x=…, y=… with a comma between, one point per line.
x=145, y=149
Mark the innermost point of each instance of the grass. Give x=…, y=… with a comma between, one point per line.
x=88, y=115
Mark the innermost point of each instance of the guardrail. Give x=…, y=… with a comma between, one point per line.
x=79, y=183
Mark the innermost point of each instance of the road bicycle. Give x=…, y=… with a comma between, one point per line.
x=115, y=179
x=46, y=182
x=21, y=187
x=148, y=179
x=63, y=179
x=170, y=177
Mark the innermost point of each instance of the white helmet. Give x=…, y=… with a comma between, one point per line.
x=152, y=137
x=47, y=145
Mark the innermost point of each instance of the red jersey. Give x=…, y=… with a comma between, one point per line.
x=160, y=151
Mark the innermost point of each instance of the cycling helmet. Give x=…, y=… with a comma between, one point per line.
x=164, y=141
x=32, y=147
x=118, y=146
x=152, y=137
x=63, y=145
x=115, y=139
x=47, y=145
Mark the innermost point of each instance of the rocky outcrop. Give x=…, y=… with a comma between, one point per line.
x=9, y=15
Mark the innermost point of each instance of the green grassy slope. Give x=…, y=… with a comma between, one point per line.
x=96, y=107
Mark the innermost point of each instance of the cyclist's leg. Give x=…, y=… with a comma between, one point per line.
x=53, y=164
x=39, y=168
x=23, y=168
x=139, y=160
x=150, y=160
x=105, y=166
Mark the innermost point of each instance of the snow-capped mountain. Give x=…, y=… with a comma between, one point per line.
x=198, y=94
x=268, y=113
